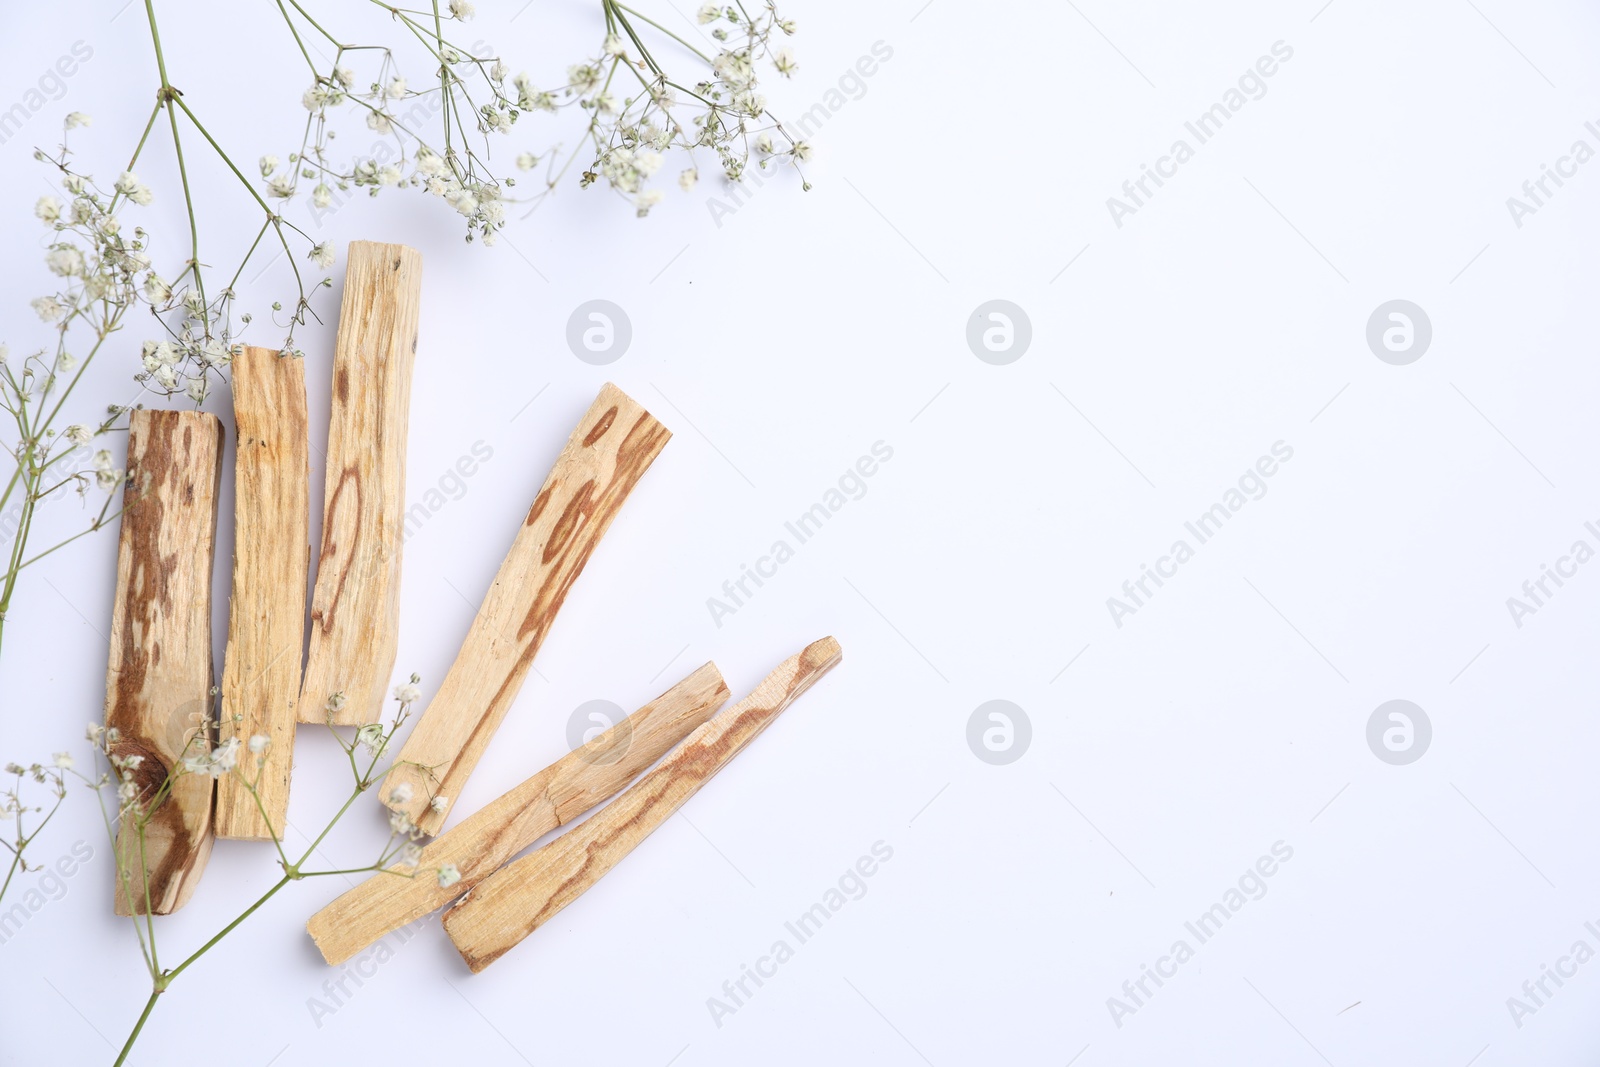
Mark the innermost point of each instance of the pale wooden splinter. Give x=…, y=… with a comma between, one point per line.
x=614, y=444
x=158, y=681
x=561, y=792
x=267, y=614
x=512, y=903
x=355, y=611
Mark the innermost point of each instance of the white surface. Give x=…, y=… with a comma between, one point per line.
x=1223, y=717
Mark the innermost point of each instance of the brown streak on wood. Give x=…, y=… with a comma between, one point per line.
x=159, y=673
x=554, y=797
x=582, y=494
x=516, y=900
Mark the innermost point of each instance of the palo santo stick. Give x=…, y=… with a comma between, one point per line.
x=512, y=903
x=355, y=612
x=158, y=680
x=555, y=796
x=614, y=444
x=267, y=615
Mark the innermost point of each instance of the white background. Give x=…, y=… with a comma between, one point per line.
x=1228, y=714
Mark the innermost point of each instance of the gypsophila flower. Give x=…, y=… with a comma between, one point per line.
x=130, y=186
x=64, y=260
x=268, y=164
x=612, y=45
x=400, y=823
x=48, y=308
x=47, y=210
x=784, y=60
x=801, y=151
x=397, y=88
x=449, y=875
x=462, y=10
x=401, y=794
x=527, y=161
x=439, y=803
x=322, y=255
x=371, y=737
x=707, y=13
x=647, y=200
x=410, y=854
x=408, y=693
x=63, y=760
x=259, y=743
x=687, y=179
x=76, y=119
x=78, y=434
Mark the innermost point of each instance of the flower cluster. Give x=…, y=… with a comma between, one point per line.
x=634, y=111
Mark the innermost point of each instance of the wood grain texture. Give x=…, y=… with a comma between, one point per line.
x=267, y=613
x=515, y=901
x=158, y=680
x=355, y=610
x=615, y=442
x=561, y=792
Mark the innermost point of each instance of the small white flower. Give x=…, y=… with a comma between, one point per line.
x=344, y=76
x=408, y=693
x=401, y=794
x=647, y=200
x=156, y=290
x=687, y=180
x=48, y=308
x=448, y=875
x=410, y=854
x=379, y=123
x=259, y=743
x=612, y=45
x=462, y=10
x=47, y=210
x=397, y=88
x=64, y=760
x=788, y=26
x=764, y=144
x=335, y=703
x=467, y=204
x=400, y=823
x=196, y=390
x=784, y=60
x=130, y=186
x=321, y=196
x=439, y=803
x=527, y=161
x=78, y=118
x=322, y=255
x=371, y=737
x=802, y=151
x=707, y=13
x=583, y=77
x=389, y=174
x=78, y=434
x=315, y=98
x=65, y=260
x=268, y=164
x=281, y=187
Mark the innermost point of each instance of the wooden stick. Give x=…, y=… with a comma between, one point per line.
x=158, y=680
x=515, y=901
x=555, y=796
x=355, y=612
x=614, y=444
x=267, y=616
